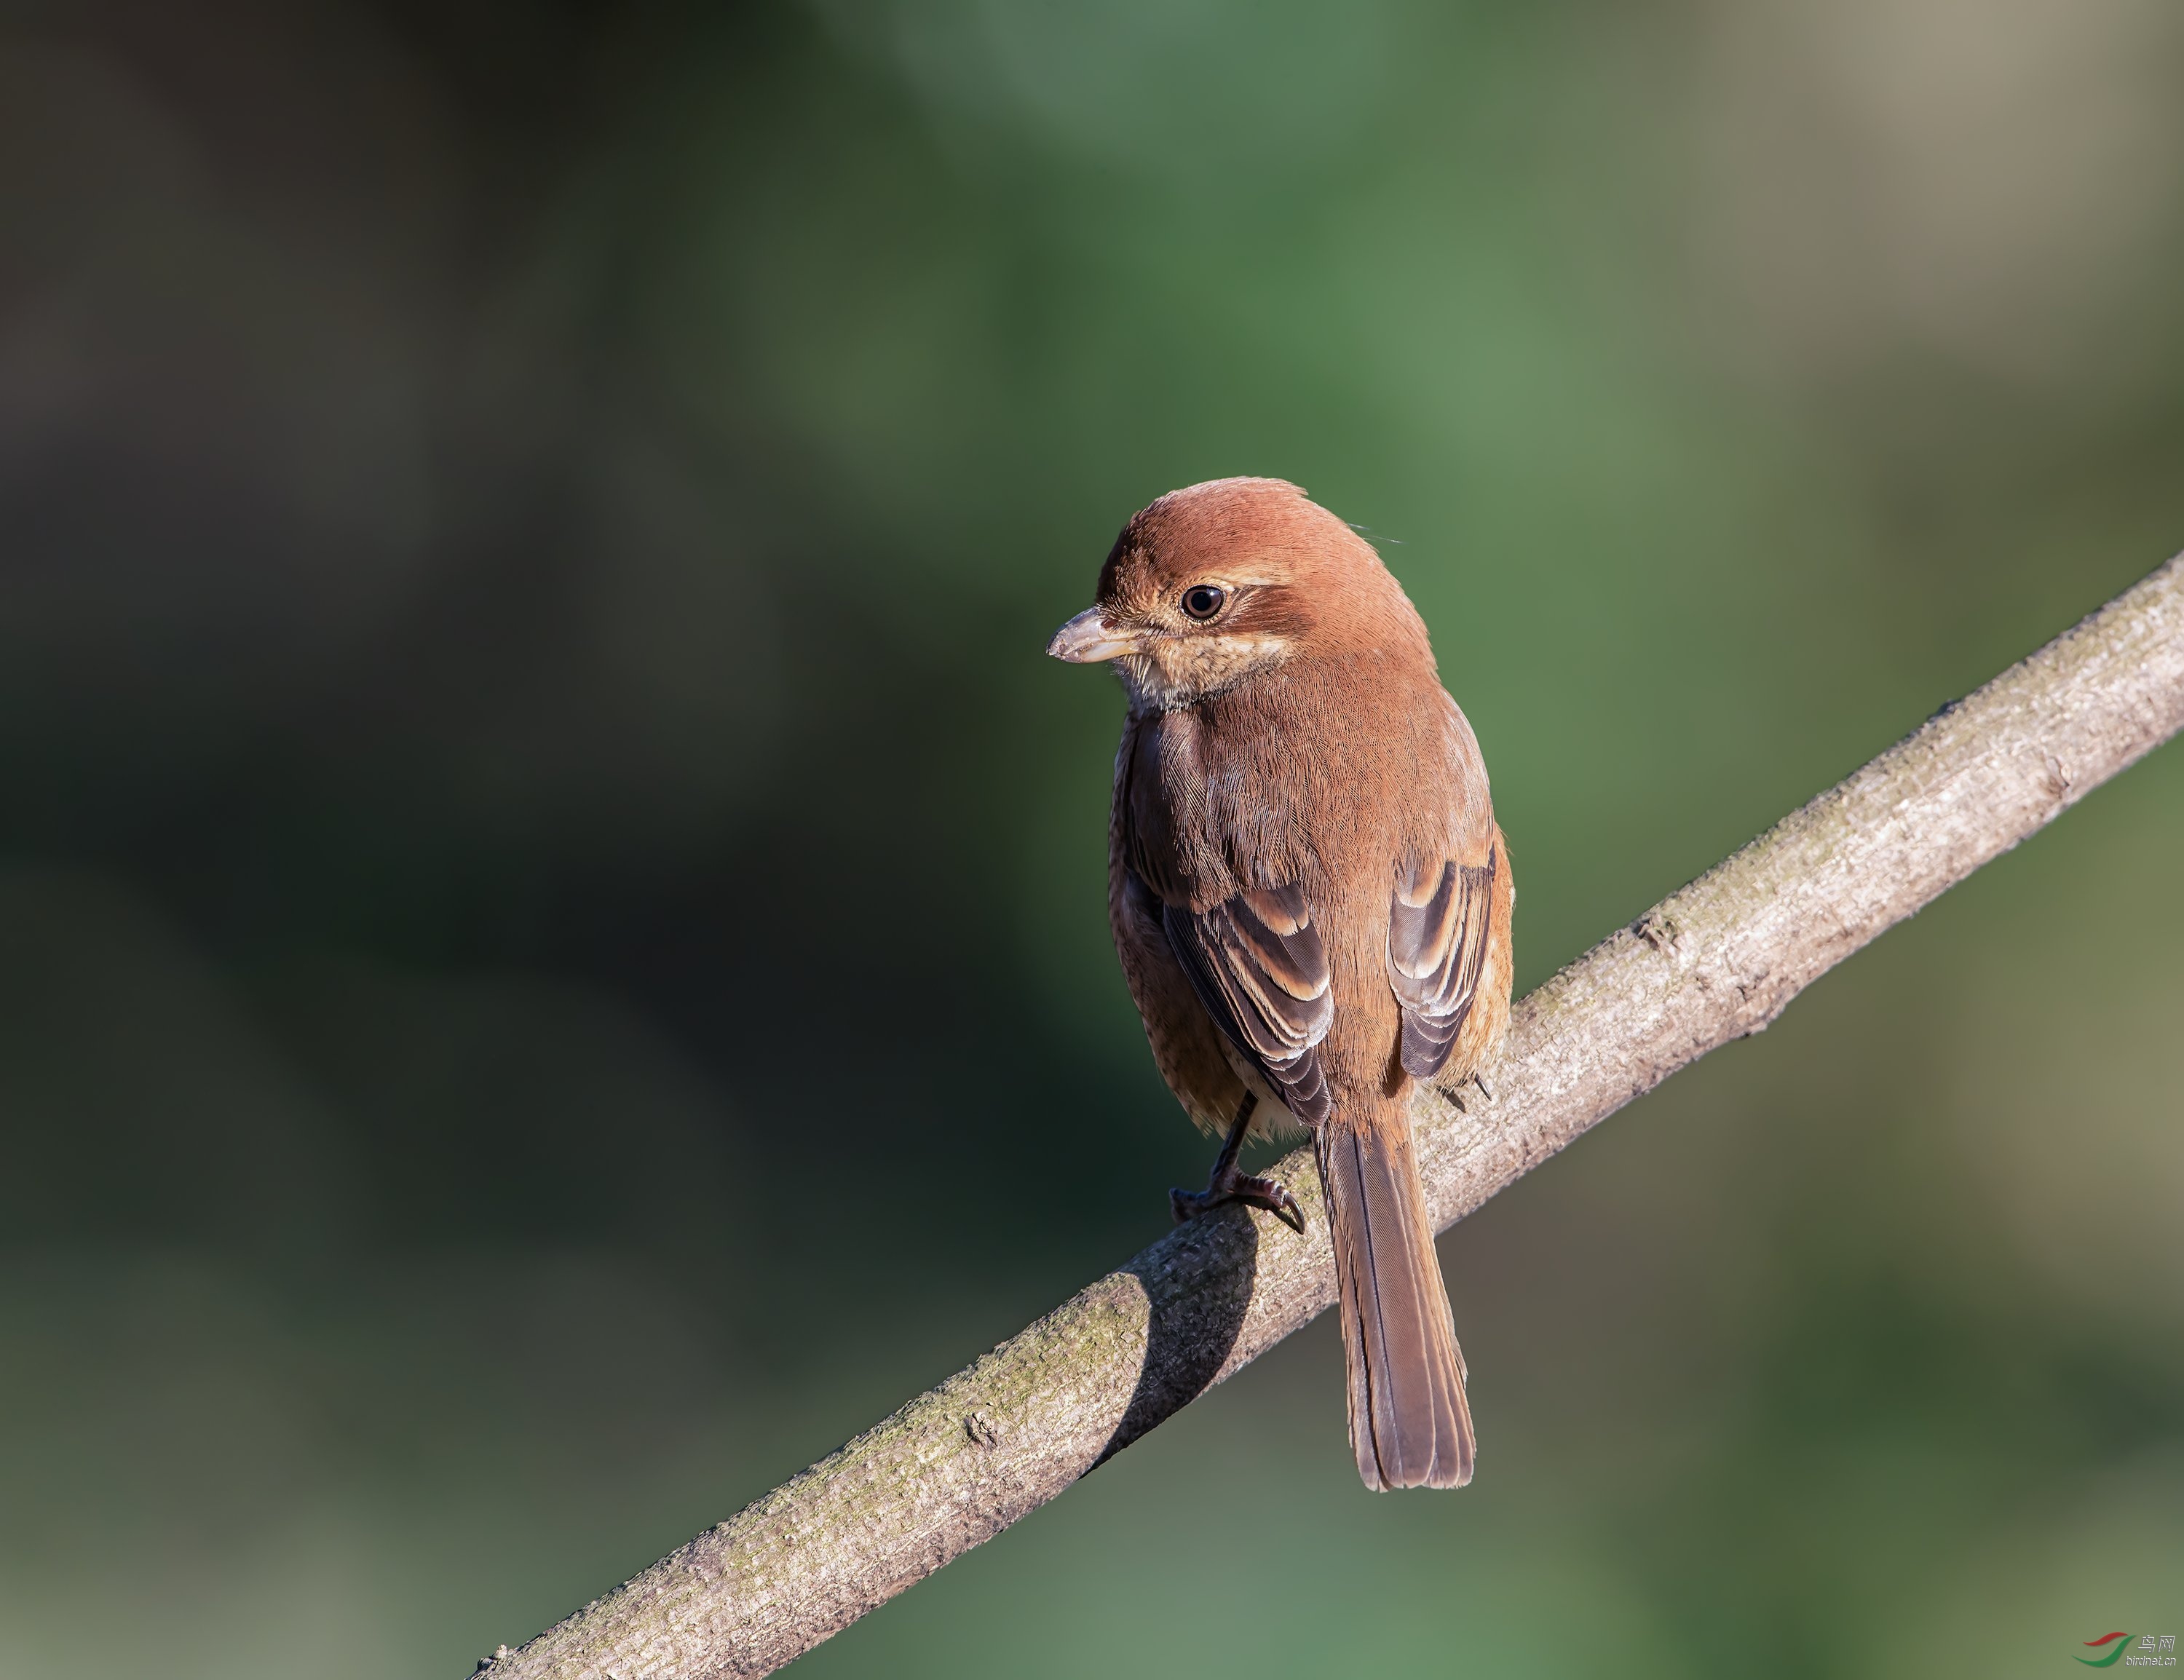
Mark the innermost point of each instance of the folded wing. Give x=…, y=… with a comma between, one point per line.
x=1260, y=968
x=1437, y=927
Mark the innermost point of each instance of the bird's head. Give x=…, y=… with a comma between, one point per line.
x=1213, y=585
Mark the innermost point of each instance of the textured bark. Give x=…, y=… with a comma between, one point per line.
x=1715, y=961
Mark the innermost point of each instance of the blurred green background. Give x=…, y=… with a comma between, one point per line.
x=553, y=963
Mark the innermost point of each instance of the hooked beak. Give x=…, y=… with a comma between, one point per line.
x=1087, y=639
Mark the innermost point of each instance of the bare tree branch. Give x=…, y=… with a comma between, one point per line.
x=1715, y=961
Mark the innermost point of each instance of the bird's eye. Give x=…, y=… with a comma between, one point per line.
x=1204, y=600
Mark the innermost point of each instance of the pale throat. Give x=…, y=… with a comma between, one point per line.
x=1174, y=671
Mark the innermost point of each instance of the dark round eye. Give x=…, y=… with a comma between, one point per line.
x=1203, y=600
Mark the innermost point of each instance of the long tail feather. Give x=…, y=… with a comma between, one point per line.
x=1408, y=1420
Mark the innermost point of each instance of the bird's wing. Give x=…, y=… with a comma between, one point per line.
x=1258, y=965
x=1437, y=925
x=1254, y=959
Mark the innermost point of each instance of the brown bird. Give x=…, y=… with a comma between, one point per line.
x=1310, y=896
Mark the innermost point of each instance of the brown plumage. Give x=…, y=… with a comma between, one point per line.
x=1310, y=897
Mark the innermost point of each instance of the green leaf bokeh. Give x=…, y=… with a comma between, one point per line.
x=552, y=949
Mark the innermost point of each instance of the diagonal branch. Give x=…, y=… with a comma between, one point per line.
x=1715, y=961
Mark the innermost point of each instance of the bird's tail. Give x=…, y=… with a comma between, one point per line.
x=1408, y=1421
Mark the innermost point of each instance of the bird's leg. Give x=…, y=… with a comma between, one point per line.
x=1226, y=1184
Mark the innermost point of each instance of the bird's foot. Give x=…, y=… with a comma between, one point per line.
x=1232, y=1186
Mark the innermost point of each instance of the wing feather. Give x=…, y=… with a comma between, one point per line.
x=1260, y=968
x=1437, y=925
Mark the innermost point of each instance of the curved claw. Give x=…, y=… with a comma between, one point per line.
x=1226, y=1184
x=1257, y=1193
x=1280, y=1204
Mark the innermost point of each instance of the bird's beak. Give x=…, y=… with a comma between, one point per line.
x=1088, y=638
